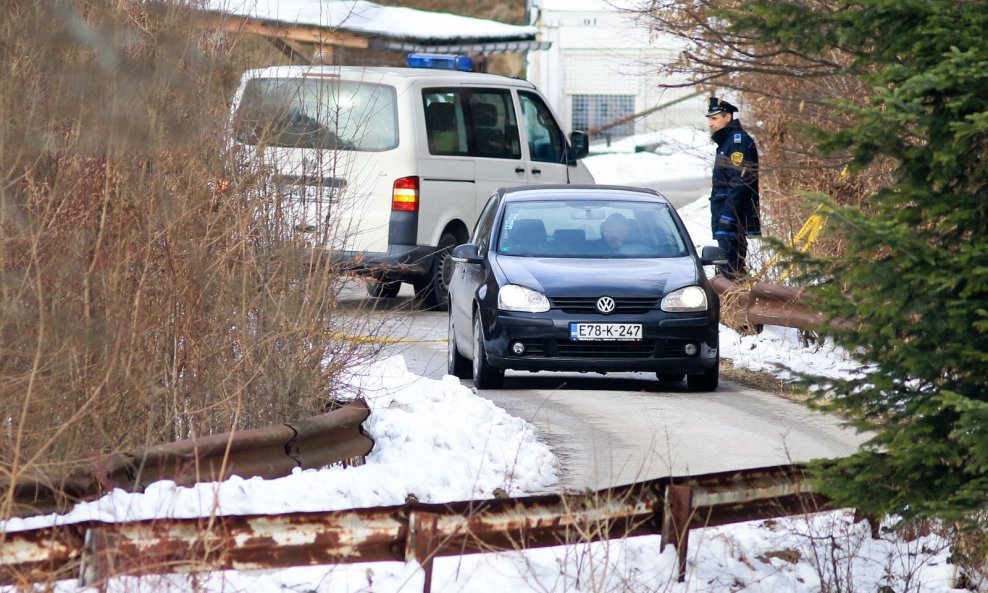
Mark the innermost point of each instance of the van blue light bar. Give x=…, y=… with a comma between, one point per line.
x=440, y=61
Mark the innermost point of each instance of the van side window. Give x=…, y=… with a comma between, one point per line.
x=471, y=122
x=495, y=130
x=443, y=126
x=545, y=139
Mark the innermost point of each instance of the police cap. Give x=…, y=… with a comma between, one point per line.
x=718, y=106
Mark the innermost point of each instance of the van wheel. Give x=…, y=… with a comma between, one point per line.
x=433, y=290
x=383, y=289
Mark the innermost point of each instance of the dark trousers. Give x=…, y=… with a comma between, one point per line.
x=737, y=250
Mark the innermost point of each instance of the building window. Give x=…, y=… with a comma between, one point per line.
x=591, y=112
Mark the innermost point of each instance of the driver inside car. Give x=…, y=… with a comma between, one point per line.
x=616, y=232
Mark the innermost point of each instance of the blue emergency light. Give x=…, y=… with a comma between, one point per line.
x=440, y=62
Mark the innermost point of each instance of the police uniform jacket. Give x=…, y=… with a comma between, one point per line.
x=734, y=190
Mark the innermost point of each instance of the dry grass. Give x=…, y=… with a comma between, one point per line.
x=762, y=381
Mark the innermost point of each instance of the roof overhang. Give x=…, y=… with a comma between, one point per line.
x=461, y=46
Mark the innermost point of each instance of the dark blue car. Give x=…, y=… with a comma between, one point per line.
x=583, y=278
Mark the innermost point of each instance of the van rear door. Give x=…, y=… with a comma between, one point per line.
x=317, y=135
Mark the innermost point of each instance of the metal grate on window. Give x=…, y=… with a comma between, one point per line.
x=593, y=111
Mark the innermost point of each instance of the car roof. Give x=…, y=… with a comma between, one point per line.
x=581, y=192
x=382, y=73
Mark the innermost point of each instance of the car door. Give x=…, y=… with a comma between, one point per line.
x=495, y=141
x=467, y=277
x=545, y=142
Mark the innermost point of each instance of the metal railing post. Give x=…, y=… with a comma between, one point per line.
x=95, y=562
x=677, y=508
x=421, y=544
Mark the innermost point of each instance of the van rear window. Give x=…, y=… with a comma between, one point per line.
x=317, y=113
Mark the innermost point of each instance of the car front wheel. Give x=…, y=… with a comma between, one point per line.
x=707, y=381
x=456, y=364
x=670, y=377
x=484, y=375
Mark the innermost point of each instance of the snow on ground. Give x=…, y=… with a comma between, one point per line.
x=438, y=440
x=680, y=153
x=434, y=439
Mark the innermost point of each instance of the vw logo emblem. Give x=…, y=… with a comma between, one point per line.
x=605, y=304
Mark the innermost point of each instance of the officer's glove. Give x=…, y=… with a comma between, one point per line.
x=727, y=226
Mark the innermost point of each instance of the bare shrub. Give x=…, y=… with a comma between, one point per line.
x=138, y=303
x=970, y=554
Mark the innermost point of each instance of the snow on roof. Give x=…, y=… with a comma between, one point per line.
x=361, y=16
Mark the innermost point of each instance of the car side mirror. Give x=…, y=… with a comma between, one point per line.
x=713, y=256
x=579, y=144
x=467, y=254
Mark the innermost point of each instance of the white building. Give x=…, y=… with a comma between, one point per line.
x=602, y=67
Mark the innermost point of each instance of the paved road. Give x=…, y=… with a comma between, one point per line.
x=625, y=427
x=680, y=191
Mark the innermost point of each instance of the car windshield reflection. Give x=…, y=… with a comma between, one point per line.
x=584, y=229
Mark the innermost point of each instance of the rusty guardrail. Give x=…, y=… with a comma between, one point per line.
x=749, y=306
x=270, y=452
x=94, y=551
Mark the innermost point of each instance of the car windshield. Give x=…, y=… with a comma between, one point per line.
x=585, y=229
x=314, y=112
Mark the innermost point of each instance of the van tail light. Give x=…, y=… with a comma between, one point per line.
x=405, y=196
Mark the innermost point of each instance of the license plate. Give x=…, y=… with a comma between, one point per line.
x=631, y=332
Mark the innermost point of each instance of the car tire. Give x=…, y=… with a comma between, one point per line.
x=484, y=375
x=707, y=381
x=383, y=289
x=432, y=291
x=456, y=364
x=670, y=377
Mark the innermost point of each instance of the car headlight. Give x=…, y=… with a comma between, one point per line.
x=691, y=298
x=518, y=298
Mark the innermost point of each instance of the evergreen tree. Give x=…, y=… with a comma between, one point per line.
x=912, y=286
x=914, y=281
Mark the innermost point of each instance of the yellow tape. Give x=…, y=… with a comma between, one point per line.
x=803, y=240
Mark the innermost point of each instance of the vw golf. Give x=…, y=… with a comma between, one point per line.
x=584, y=278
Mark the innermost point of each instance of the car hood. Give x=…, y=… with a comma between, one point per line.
x=558, y=277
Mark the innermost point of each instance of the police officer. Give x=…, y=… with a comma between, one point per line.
x=734, y=191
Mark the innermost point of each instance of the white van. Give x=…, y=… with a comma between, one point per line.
x=388, y=168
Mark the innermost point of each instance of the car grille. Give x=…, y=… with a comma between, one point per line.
x=589, y=304
x=570, y=349
x=665, y=348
